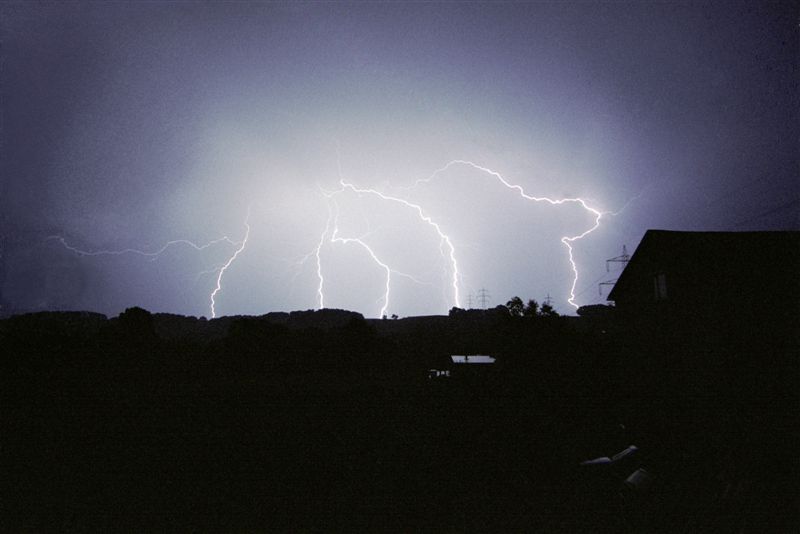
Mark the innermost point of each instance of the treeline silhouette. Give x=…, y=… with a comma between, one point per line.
x=326, y=421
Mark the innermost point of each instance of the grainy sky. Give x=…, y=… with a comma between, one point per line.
x=131, y=125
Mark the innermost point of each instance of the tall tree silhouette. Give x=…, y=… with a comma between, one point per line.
x=548, y=310
x=515, y=307
x=531, y=309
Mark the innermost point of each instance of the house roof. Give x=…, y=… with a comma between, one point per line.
x=757, y=255
x=472, y=358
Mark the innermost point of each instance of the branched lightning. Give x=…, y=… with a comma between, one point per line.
x=445, y=243
x=444, y=239
x=331, y=235
x=318, y=255
x=227, y=264
x=387, y=288
x=153, y=255
x=567, y=240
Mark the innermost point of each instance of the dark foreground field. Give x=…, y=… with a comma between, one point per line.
x=115, y=428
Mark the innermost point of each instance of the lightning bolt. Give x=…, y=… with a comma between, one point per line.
x=444, y=239
x=152, y=255
x=387, y=288
x=331, y=235
x=566, y=240
x=446, y=245
x=155, y=254
x=228, y=263
x=318, y=255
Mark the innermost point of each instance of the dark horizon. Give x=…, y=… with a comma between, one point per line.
x=656, y=416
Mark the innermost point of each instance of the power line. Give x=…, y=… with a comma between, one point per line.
x=623, y=259
x=589, y=286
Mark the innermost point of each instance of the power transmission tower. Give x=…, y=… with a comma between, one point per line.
x=624, y=258
x=469, y=301
x=483, y=298
x=548, y=300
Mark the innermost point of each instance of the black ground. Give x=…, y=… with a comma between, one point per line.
x=113, y=425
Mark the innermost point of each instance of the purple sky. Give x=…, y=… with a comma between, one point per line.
x=132, y=125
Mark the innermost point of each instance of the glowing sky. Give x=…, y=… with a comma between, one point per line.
x=136, y=125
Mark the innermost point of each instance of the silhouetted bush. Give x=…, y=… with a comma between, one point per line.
x=136, y=324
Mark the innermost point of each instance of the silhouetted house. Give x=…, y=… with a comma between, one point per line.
x=472, y=366
x=724, y=277
x=463, y=366
x=473, y=359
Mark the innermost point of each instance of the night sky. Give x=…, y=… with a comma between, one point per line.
x=128, y=126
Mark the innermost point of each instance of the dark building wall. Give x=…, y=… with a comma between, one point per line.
x=717, y=276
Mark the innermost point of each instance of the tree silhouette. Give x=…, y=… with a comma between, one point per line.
x=548, y=310
x=531, y=309
x=515, y=307
x=137, y=324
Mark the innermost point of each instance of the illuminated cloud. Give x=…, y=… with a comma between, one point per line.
x=138, y=132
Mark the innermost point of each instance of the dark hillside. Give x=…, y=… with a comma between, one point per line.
x=324, y=421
